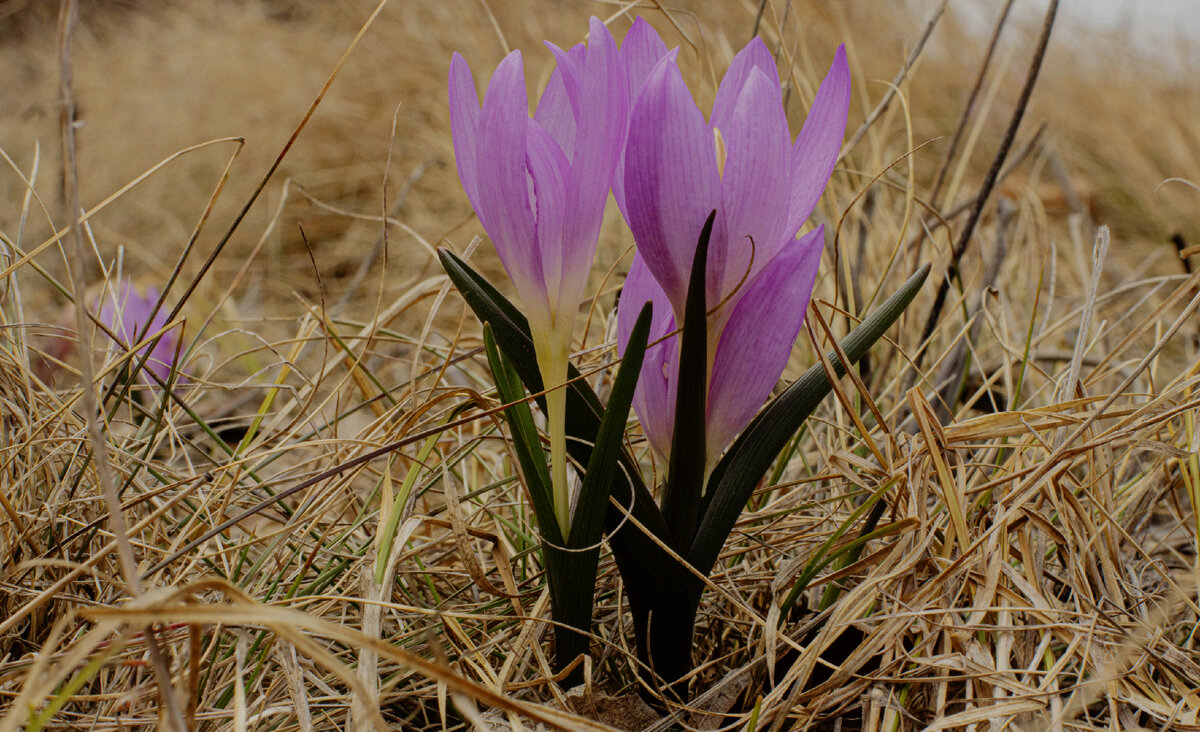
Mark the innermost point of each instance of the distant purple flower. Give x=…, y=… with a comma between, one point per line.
x=539, y=187
x=743, y=164
x=125, y=314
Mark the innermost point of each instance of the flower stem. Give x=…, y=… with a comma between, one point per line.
x=556, y=416
x=552, y=362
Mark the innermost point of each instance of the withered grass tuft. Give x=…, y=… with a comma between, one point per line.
x=1035, y=564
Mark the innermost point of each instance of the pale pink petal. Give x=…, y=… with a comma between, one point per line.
x=126, y=314
x=555, y=114
x=504, y=205
x=549, y=171
x=757, y=340
x=464, y=125
x=640, y=51
x=568, y=69
x=558, y=108
x=163, y=355
x=820, y=141
x=602, y=124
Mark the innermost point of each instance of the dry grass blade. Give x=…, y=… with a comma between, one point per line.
x=243, y=610
x=1033, y=560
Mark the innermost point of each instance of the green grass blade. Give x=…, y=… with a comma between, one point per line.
x=822, y=557
x=392, y=520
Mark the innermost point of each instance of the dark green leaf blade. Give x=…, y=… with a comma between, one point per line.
x=587, y=524
x=739, y=471
x=655, y=581
x=584, y=410
x=685, y=474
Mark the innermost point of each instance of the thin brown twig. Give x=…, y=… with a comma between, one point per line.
x=989, y=182
x=952, y=147
x=262, y=184
x=890, y=94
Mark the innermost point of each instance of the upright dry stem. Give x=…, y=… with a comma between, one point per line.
x=91, y=404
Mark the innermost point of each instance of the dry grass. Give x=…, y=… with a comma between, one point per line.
x=1039, y=569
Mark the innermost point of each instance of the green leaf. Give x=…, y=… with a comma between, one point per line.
x=511, y=330
x=587, y=524
x=573, y=570
x=584, y=410
x=743, y=466
x=685, y=474
x=658, y=585
x=525, y=439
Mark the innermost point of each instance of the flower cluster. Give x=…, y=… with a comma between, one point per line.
x=627, y=120
x=539, y=187
x=735, y=188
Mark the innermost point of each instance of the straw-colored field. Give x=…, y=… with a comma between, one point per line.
x=1035, y=568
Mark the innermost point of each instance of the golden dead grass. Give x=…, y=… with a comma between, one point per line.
x=1037, y=568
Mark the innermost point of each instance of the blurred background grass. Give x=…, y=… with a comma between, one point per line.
x=155, y=77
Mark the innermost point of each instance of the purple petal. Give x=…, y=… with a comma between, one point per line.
x=558, y=108
x=569, y=68
x=464, y=125
x=555, y=114
x=640, y=51
x=602, y=123
x=654, y=397
x=126, y=313
x=757, y=340
x=754, y=188
x=820, y=141
x=163, y=355
x=568, y=71
x=503, y=182
x=548, y=174
x=671, y=179
x=753, y=56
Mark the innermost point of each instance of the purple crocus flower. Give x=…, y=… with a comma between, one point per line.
x=126, y=312
x=743, y=164
x=539, y=187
